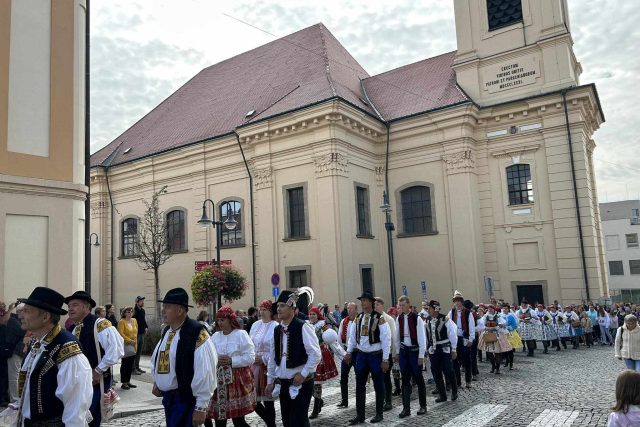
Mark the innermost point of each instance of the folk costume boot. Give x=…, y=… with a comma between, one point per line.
x=396, y=387
x=317, y=407
x=406, y=405
x=344, y=394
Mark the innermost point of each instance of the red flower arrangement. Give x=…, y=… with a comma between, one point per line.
x=226, y=280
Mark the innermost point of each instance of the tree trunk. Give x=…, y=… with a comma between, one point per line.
x=156, y=281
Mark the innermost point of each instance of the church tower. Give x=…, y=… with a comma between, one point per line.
x=512, y=49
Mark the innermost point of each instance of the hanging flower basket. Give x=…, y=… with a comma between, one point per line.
x=226, y=280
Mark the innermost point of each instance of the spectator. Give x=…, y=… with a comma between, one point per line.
x=111, y=314
x=337, y=316
x=141, y=319
x=345, y=312
x=203, y=318
x=626, y=411
x=613, y=327
x=253, y=316
x=628, y=343
x=11, y=353
x=128, y=328
x=100, y=311
x=604, y=321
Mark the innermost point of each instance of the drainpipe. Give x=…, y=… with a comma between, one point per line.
x=575, y=195
x=253, y=228
x=113, y=261
x=87, y=159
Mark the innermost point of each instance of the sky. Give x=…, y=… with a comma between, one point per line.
x=143, y=50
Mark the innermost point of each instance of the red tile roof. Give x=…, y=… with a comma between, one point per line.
x=295, y=71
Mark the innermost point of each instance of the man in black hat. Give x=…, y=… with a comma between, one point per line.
x=141, y=317
x=101, y=343
x=183, y=364
x=295, y=353
x=466, y=331
x=371, y=336
x=54, y=355
x=442, y=340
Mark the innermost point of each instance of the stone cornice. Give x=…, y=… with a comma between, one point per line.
x=514, y=151
x=460, y=162
x=42, y=187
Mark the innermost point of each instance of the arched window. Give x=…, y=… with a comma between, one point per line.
x=417, y=217
x=176, y=231
x=233, y=237
x=519, y=184
x=128, y=237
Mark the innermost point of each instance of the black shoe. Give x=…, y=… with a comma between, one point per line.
x=474, y=378
x=454, y=396
x=435, y=392
x=317, y=405
x=387, y=407
x=136, y=372
x=343, y=404
x=356, y=420
x=376, y=419
x=441, y=399
x=405, y=413
x=492, y=370
x=141, y=371
x=396, y=392
x=133, y=385
x=422, y=410
x=125, y=386
x=468, y=385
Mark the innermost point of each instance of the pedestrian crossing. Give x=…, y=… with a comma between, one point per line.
x=479, y=415
x=551, y=418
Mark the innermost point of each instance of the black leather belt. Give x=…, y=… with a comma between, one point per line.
x=409, y=347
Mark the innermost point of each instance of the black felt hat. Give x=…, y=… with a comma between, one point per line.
x=45, y=299
x=176, y=296
x=82, y=295
x=367, y=295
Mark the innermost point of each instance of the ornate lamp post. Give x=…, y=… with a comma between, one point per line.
x=388, y=225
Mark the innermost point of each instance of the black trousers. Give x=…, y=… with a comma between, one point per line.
x=267, y=411
x=463, y=359
x=136, y=365
x=295, y=412
x=411, y=370
x=474, y=358
x=4, y=380
x=126, y=368
x=344, y=378
x=387, y=382
x=441, y=364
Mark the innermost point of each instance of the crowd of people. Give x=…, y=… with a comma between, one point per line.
x=209, y=371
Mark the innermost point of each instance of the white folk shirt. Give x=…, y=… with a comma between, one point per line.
x=452, y=334
x=75, y=387
x=312, y=348
x=205, y=360
x=364, y=345
x=237, y=345
x=348, y=324
x=406, y=340
x=262, y=336
x=111, y=342
x=472, y=324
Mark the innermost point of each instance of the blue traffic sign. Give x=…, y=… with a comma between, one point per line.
x=276, y=291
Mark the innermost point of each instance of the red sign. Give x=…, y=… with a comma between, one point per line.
x=226, y=262
x=200, y=265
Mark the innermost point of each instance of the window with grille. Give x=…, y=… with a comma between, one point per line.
x=366, y=274
x=632, y=240
x=616, y=268
x=362, y=211
x=232, y=209
x=416, y=210
x=296, y=212
x=176, y=231
x=519, y=184
x=129, y=235
x=502, y=13
x=634, y=266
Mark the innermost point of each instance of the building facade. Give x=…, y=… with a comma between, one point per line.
x=485, y=153
x=42, y=164
x=621, y=225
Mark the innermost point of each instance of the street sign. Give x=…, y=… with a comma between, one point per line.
x=423, y=285
x=404, y=291
x=224, y=262
x=275, y=279
x=276, y=291
x=200, y=265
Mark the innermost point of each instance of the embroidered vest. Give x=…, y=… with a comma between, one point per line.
x=296, y=353
x=374, y=330
x=413, y=323
x=87, y=338
x=439, y=325
x=344, y=326
x=465, y=320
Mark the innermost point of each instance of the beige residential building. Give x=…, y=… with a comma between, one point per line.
x=472, y=146
x=42, y=165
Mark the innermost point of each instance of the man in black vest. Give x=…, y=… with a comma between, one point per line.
x=371, y=336
x=141, y=317
x=183, y=364
x=410, y=348
x=442, y=340
x=54, y=355
x=295, y=354
x=103, y=354
x=466, y=331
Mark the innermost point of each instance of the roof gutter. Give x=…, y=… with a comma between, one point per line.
x=111, y=225
x=253, y=228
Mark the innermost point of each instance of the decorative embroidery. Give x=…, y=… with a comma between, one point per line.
x=77, y=329
x=164, y=366
x=225, y=378
x=202, y=338
x=68, y=350
x=103, y=324
x=365, y=327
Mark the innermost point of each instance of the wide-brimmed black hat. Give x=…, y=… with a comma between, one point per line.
x=367, y=295
x=176, y=296
x=82, y=295
x=45, y=299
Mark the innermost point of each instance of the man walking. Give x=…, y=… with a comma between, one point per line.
x=442, y=340
x=379, y=307
x=464, y=320
x=343, y=333
x=371, y=336
x=141, y=317
x=410, y=348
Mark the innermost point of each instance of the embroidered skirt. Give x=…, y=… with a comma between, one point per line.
x=548, y=333
x=528, y=331
x=563, y=330
x=501, y=345
x=514, y=339
x=327, y=367
x=235, y=395
x=260, y=381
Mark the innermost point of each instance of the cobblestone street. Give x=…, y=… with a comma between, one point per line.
x=568, y=388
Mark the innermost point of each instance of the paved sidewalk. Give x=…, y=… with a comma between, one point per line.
x=136, y=400
x=567, y=388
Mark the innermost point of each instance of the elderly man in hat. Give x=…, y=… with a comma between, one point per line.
x=101, y=344
x=183, y=364
x=295, y=354
x=55, y=379
x=141, y=318
x=442, y=342
x=371, y=336
x=466, y=332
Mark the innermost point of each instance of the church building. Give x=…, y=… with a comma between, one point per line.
x=470, y=171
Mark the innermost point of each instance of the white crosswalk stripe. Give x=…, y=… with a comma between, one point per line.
x=555, y=418
x=477, y=416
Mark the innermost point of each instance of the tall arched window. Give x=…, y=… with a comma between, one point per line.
x=417, y=217
x=176, y=231
x=128, y=237
x=233, y=237
x=519, y=184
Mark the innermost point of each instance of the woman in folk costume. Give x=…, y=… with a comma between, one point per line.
x=572, y=327
x=326, y=369
x=482, y=310
x=547, y=332
x=528, y=326
x=513, y=337
x=235, y=395
x=493, y=339
x=587, y=327
x=558, y=325
x=262, y=336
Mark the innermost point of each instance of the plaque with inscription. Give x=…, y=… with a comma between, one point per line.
x=510, y=75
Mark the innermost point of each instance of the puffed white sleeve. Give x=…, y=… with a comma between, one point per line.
x=472, y=327
x=452, y=333
x=205, y=361
x=75, y=390
x=351, y=332
x=247, y=351
x=396, y=337
x=312, y=346
x=385, y=340
x=422, y=338
x=271, y=365
x=501, y=321
x=113, y=345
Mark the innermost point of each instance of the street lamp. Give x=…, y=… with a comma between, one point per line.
x=230, y=224
x=97, y=243
x=388, y=225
